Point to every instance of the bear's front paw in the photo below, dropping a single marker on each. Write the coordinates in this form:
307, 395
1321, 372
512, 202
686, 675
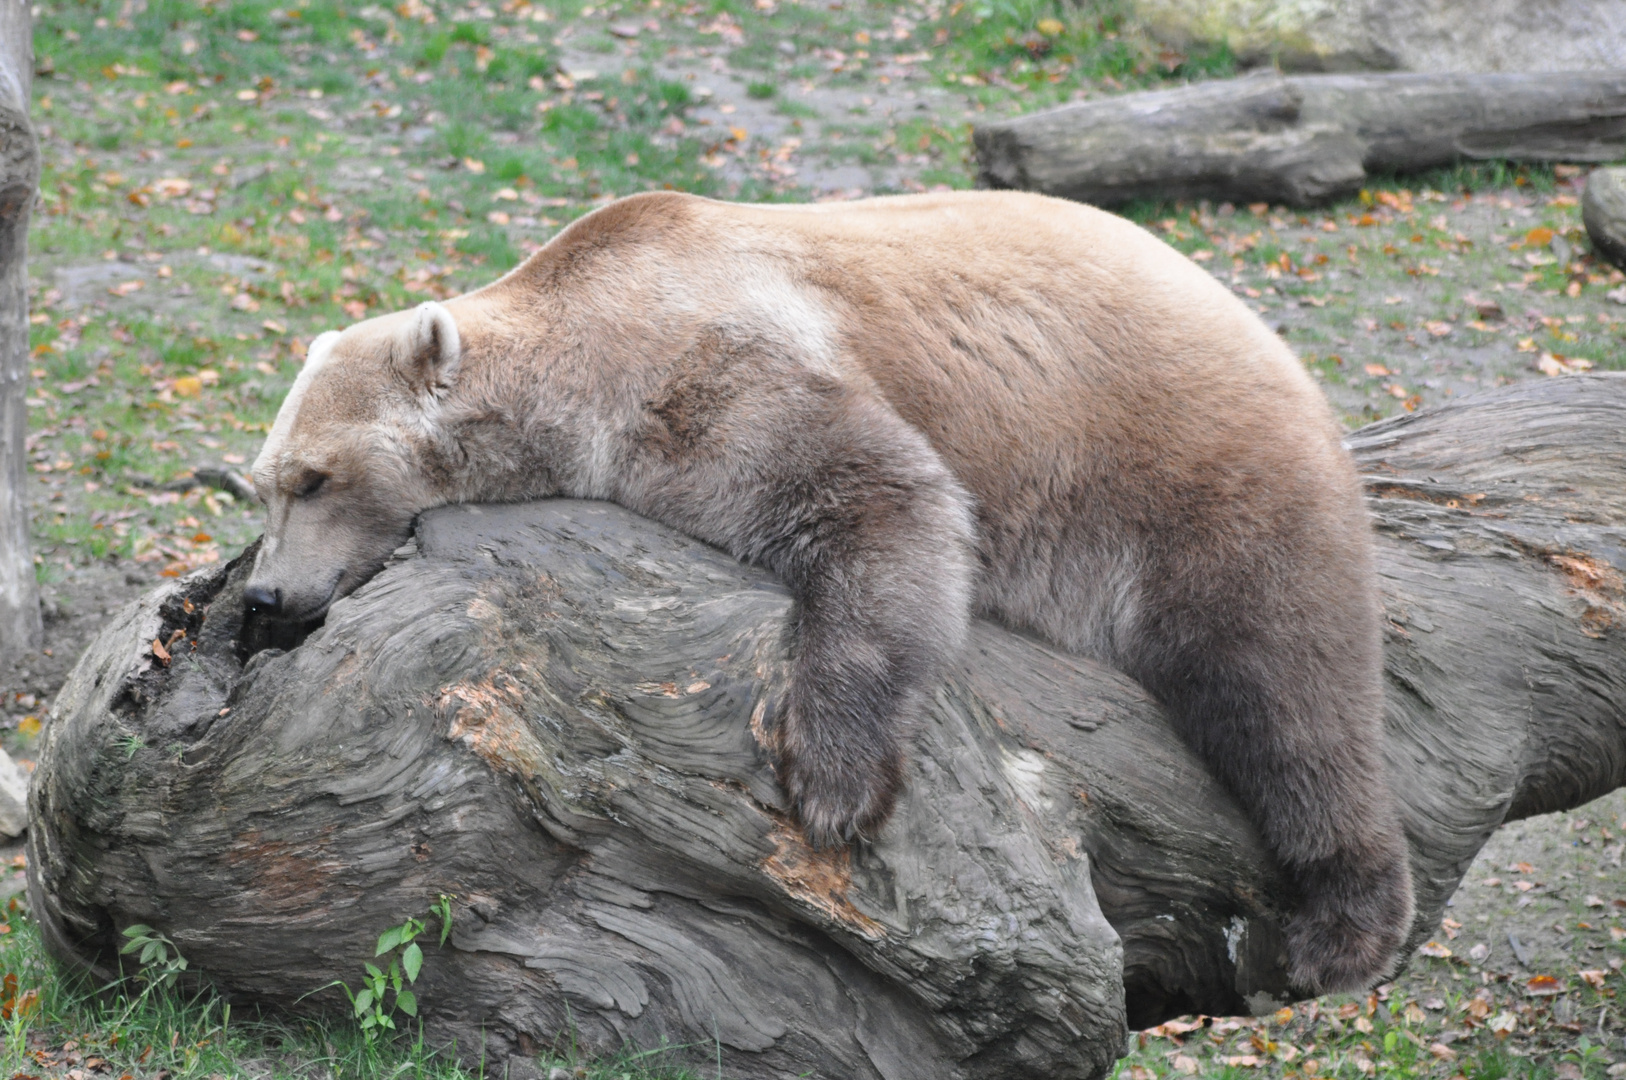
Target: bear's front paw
841, 797
1349, 928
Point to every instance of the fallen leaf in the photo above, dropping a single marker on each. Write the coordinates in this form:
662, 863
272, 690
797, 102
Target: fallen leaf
1559, 364
1478, 953
1241, 1061
1185, 1065
124, 288
1540, 236
1504, 1024
1593, 977
188, 386
1175, 1028
1442, 1051
1438, 329
1436, 950
160, 652
1543, 986
29, 725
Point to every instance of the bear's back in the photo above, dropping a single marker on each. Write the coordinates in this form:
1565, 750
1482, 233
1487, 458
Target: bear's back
1035, 340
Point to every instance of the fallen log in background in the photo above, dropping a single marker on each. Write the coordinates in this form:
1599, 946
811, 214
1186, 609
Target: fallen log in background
553, 711
1299, 140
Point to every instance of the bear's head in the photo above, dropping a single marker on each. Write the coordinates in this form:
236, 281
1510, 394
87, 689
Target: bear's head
343, 471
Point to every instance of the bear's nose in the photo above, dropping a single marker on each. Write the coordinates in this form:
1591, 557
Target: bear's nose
262, 601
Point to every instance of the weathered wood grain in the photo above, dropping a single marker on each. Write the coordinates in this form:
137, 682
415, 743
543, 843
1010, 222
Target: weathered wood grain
558, 713
19, 177
1301, 139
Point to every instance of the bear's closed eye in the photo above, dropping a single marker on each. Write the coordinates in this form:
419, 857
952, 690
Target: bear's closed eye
309, 485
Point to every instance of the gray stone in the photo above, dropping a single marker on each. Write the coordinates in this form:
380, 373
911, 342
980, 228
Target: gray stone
1405, 35
1603, 208
13, 797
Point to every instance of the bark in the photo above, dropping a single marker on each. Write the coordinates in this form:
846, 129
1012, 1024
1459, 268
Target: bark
19, 177
1299, 140
556, 712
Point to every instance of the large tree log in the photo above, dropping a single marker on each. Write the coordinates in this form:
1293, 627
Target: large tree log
1299, 140
557, 713
19, 176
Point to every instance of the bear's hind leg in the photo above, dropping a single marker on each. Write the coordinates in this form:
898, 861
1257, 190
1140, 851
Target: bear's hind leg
1292, 725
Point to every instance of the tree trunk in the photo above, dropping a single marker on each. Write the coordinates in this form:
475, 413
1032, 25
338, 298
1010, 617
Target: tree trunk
19, 176
1299, 140
554, 712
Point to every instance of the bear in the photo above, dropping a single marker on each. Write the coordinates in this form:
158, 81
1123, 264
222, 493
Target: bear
915, 410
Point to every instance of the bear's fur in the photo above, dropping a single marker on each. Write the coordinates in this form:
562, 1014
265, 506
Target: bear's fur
914, 410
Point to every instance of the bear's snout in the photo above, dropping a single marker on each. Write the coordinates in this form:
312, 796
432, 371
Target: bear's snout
262, 601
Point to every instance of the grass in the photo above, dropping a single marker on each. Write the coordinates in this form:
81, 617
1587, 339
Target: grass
223, 181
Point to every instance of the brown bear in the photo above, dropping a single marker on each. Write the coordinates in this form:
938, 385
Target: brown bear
914, 410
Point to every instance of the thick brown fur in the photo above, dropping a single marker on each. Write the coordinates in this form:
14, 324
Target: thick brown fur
913, 410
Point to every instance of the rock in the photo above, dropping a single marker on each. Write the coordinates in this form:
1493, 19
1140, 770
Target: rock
13, 797
1406, 35
1603, 208
519, 1068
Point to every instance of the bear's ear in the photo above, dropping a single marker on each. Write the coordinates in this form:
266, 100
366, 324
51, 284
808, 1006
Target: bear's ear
430, 350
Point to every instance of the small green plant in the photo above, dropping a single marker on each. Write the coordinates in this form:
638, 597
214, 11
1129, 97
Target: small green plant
384, 990
443, 907
161, 962
762, 90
